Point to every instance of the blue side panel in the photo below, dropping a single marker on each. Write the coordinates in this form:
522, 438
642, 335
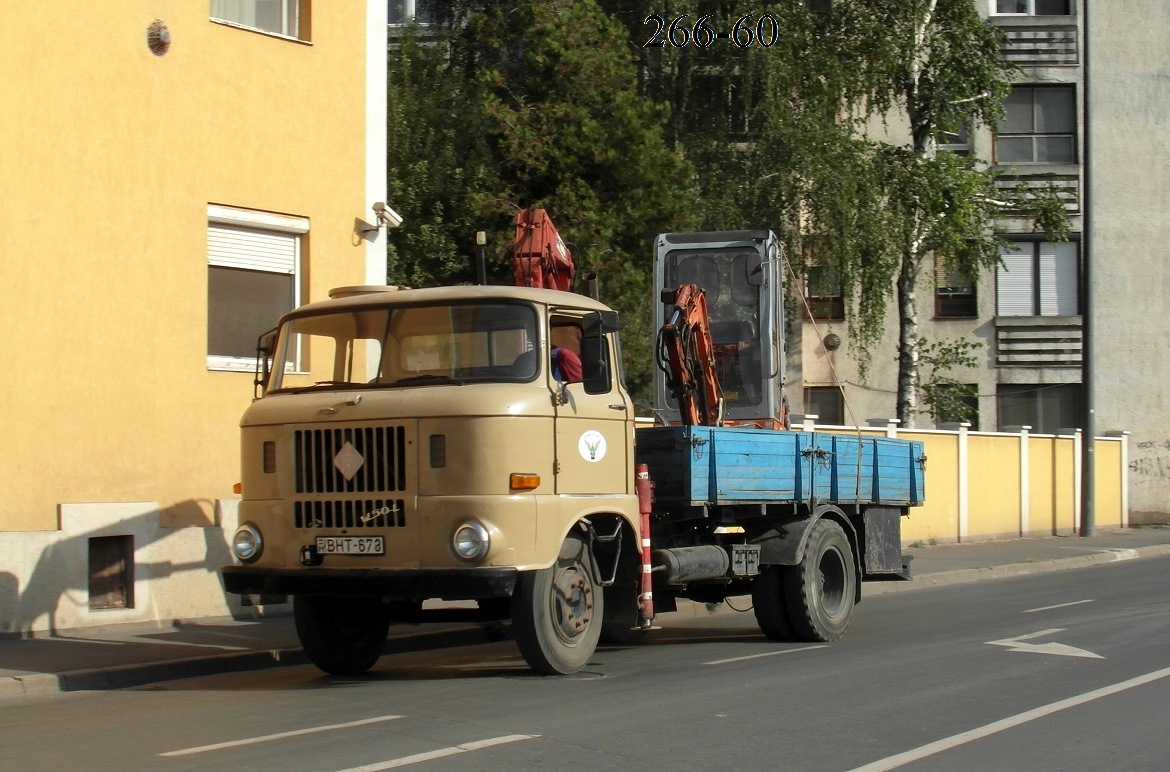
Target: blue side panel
701, 465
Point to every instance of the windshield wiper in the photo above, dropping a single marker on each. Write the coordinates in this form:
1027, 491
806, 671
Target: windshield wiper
423, 380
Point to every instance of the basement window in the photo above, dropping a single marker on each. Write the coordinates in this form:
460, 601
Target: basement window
111, 572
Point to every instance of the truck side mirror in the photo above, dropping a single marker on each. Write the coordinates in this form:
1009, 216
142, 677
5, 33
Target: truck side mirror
265, 349
601, 322
595, 365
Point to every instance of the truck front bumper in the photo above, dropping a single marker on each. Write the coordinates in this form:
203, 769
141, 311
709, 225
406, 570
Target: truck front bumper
395, 584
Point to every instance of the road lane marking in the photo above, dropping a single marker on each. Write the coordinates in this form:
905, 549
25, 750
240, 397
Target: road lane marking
1059, 605
765, 654
954, 741
1059, 649
278, 736
441, 753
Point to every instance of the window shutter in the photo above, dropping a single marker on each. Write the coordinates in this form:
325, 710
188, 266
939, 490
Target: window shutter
1014, 282
231, 246
950, 280
1058, 279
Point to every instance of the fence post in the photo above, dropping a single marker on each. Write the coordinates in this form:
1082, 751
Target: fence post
1077, 481
806, 422
889, 424
1124, 437
1025, 475
963, 487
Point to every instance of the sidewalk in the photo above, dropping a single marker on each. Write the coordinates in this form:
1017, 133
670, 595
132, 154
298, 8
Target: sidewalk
130, 655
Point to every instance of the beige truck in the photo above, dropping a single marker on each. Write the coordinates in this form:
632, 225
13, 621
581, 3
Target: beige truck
453, 453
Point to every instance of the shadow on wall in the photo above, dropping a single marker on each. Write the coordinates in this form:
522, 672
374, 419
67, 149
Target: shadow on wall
134, 567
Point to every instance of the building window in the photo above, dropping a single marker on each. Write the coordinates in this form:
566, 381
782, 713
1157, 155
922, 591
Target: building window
1031, 7
957, 141
823, 292
1047, 409
407, 11
1039, 126
253, 278
1038, 278
278, 17
827, 403
954, 292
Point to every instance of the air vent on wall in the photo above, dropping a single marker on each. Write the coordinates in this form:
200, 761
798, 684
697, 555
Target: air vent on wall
158, 37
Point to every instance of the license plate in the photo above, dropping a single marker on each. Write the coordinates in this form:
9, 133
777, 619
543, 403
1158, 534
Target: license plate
351, 545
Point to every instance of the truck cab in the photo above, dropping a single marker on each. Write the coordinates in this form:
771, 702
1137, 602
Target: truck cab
412, 445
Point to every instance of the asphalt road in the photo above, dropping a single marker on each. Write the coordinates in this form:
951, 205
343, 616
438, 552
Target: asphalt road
1066, 670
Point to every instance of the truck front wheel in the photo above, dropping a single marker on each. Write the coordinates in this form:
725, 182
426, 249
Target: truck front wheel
820, 591
343, 636
557, 612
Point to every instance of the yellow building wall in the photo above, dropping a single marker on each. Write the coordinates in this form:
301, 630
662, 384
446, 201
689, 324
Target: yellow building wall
111, 156
994, 484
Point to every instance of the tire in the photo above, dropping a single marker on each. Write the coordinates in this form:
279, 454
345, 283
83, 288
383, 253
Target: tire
770, 605
557, 612
821, 590
342, 636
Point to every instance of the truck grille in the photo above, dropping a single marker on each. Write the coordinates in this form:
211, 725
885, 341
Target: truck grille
373, 513
362, 459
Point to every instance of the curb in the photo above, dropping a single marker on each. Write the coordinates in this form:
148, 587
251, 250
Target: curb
141, 673
968, 575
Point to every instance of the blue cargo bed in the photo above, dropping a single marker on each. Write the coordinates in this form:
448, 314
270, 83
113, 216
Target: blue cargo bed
704, 465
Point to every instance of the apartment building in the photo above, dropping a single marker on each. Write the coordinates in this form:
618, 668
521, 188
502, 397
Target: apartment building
176, 175
1082, 120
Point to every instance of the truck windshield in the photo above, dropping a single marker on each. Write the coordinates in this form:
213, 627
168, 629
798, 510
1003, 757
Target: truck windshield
403, 346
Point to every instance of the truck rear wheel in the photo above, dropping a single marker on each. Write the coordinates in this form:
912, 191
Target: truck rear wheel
557, 612
343, 636
821, 590
770, 605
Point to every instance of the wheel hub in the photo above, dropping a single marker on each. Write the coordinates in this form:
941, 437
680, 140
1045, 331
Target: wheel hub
572, 603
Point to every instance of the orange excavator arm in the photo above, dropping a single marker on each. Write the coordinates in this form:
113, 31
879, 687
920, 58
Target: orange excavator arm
686, 354
539, 256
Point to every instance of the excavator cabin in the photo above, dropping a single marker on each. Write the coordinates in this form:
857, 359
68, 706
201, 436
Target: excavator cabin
739, 275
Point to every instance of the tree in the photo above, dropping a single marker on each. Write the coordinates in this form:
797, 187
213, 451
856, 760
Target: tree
790, 143
545, 96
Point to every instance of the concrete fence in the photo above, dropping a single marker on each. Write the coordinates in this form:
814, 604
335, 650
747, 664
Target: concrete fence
996, 485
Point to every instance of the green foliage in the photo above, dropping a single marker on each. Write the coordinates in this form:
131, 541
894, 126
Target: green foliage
559, 104
534, 104
945, 396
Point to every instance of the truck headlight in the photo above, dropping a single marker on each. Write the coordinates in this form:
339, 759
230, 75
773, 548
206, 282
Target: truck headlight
471, 541
247, 544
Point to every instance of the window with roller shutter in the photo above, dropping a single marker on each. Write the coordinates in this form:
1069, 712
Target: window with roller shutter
253, 278
1038, 278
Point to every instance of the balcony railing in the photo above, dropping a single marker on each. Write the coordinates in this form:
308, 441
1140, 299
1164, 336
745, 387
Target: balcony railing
1051, 45
1038, 341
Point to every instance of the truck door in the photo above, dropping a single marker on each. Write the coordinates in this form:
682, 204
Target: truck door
593, 432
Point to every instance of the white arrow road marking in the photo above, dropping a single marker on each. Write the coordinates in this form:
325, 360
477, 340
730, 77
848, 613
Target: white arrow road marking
1059, 649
